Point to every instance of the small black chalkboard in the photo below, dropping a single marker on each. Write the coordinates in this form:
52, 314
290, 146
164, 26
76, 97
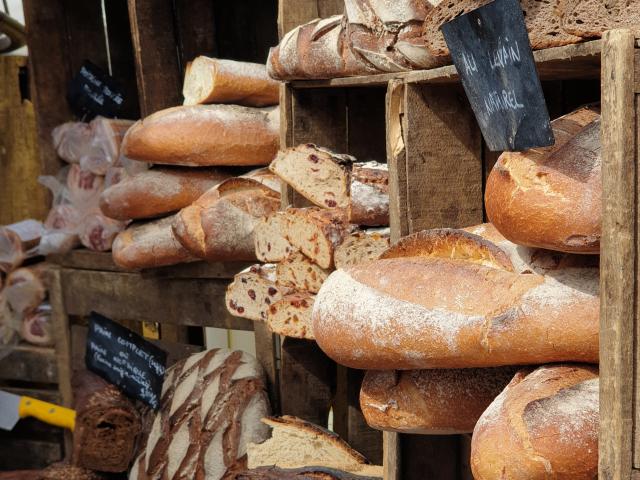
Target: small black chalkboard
491, 51
125, 359
94, 92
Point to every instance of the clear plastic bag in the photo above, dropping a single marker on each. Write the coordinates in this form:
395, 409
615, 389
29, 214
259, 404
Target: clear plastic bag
36, 327
17, 243
98, 232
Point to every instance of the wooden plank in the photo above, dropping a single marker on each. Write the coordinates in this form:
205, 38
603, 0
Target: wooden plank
292, 13
618, 255
320, 117
51, 396
84, 259
157, 61
435, 457
196, 30
123, 296
397, 160
28, 363
266, 353
220, 270
27, 454
392, 456
21, 196
465, 457
62, 336
366, 138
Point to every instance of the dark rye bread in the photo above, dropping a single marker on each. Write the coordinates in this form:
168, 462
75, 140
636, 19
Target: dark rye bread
542, 19
591, 18
211, 407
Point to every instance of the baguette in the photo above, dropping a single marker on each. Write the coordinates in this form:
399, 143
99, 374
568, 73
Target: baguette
411, 313
544, 425
430, 402
559, 188
297, 272
205, 135
291, 315
252, 292
361, 247
270, 242
157, 192
213, 80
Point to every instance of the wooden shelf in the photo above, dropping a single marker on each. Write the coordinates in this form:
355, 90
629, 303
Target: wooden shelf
28, 363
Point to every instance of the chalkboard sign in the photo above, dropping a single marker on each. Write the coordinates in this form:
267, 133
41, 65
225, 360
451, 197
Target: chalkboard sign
491, 51
94, 92
125, 359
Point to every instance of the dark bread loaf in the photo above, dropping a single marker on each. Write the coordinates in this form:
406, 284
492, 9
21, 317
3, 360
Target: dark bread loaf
591, 18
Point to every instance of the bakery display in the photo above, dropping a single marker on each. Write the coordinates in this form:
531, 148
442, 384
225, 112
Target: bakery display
270, 242
291, 315
304, 473
298, 272
361, 246
253, 291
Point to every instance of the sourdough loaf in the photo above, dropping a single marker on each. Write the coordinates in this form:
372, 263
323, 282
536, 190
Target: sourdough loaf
183, 136
408, 312
591, 18
252, 292
149, 245
295, 443
220, 224
298, 272
369, 194
362, 246
211, 407
57, 471
270, 242
304, 473
551, 197
431, 402
213, 80
157, 192
544, 425
291, 315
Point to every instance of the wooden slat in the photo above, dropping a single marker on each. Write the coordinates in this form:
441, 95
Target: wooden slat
51, 396
397, 160
266, 353
618, 256
435, 457
392, 461
292, 13
366, 139
28, 363
196, 31
27, 454
62, 336
128, 295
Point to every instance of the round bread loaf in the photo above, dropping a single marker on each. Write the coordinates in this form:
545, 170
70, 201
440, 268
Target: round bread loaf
543, 426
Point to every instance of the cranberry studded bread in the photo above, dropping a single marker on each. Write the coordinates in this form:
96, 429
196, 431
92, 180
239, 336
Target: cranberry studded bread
252, 292
298, 272
213, 80
544, 425
156, 192
361, 247
291, 315
149, 245
551, 197
591, 18
295, 443
409, 311
269, 238
430, 402
304, 473
220, 224
205, 135
369, 194
211, 407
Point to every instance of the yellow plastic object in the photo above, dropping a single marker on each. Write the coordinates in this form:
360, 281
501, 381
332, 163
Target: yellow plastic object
47, 412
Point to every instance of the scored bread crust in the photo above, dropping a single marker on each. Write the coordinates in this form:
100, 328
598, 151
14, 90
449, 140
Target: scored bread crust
183, 136
431, 402
543, 425
551, 197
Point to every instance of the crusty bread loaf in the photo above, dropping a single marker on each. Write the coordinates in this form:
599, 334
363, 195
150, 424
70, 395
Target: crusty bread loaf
291, 315
551, 197
304, 473
369, 194
213, 80
297, 272
157, 192
591, 18
220, 224
149, 245
252, 292
295, 443
205, 135
362, 246
211, 407
269, 238
544, 425
452, 309
433, 402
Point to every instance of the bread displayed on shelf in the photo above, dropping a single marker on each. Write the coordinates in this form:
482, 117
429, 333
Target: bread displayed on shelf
410, 312
211, 406
205, 135
591, 18
291, 315
361, 247
214, 80
295, 443
369, 194
270, 242
298, 272
543, 425
304, 473
253, 291
157, 192
551, 197
430, 402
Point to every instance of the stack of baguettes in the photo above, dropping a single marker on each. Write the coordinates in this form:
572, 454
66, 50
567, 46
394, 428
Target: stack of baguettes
200, 199
491, 329
300, 247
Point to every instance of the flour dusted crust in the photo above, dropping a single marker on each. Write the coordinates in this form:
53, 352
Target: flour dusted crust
362, 246
432, 402
543, 425
183, 136
369, 194
298, 272
291, 315
253, 291
551, 197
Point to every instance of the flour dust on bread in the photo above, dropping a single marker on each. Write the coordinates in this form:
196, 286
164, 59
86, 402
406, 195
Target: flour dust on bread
211, 407
253, 291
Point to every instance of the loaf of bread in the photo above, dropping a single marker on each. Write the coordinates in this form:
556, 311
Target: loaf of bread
362, 246
305, 473
57, 471
369, 194
453, 307
551, 197
593, 18
149, 245
205, 135
297, 272
220, 224
270, 242
291, 315
157, 192
295, 443
431, 402
211, 407
253, 291
544, 425
213, 80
